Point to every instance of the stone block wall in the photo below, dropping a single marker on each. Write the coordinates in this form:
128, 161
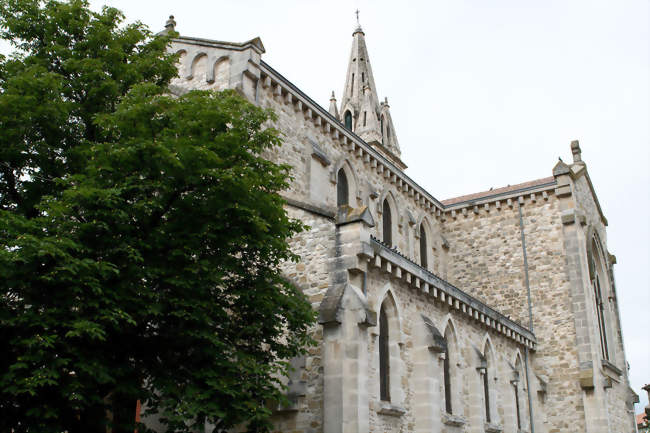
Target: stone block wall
486, 259
478, 248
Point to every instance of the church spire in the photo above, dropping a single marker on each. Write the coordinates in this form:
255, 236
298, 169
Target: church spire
333, 110
360, 110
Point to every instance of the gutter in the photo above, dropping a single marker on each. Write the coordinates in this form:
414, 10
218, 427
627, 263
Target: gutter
530, 319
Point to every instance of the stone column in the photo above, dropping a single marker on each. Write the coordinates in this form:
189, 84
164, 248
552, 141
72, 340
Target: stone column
345, 317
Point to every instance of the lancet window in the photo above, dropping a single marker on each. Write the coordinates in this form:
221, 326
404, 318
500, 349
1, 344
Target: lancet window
342, 188
423, 246
384, 356
347, 119
387, 223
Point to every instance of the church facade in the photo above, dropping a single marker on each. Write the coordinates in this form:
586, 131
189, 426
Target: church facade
492, 312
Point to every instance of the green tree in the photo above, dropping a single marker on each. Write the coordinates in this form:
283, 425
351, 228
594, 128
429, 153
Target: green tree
141, 236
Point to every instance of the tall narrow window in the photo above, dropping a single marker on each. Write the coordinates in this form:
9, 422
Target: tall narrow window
341, 188
597, 280
381, 124
600, 310
515, 383
387, 223
352, 84
384, 364
348, 120
447, 379
363, 77
364, 118
486, 391
423, 246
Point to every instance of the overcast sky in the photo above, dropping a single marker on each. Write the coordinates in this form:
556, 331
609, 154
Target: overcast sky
483, 94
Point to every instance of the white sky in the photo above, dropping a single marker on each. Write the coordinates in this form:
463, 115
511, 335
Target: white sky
482, 94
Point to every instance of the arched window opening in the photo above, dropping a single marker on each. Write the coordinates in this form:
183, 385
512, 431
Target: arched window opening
423, 246
515, 384
342, 190
485, 372
447, 378
601, 318
486, 391
348, 120
387, 224
598, 295
384, 355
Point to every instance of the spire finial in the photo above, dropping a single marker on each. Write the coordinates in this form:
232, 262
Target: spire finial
357, 13
575, 150
170, 24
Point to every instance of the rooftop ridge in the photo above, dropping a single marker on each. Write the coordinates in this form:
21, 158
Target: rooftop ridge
545, 181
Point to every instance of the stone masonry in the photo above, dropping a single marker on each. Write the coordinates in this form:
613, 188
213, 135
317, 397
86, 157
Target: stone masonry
434, 316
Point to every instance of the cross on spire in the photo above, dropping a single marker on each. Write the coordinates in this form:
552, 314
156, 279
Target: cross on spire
357, 13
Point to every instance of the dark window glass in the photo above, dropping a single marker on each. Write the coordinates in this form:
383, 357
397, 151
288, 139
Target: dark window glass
600, 310
447, 379
486, 390
352, 84
387, 224
381, 121
342, 188
384, 365
423, 246
364, 118
348, 120
517, 406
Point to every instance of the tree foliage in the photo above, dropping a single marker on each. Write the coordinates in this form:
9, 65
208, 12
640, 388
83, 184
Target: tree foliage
141, 235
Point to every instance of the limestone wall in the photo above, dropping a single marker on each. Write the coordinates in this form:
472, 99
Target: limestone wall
420, 377
476, 248
611, 386
486, 259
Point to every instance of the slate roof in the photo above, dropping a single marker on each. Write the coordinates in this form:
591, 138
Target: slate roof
498, 191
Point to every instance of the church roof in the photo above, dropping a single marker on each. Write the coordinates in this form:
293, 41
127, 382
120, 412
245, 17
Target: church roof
499, 191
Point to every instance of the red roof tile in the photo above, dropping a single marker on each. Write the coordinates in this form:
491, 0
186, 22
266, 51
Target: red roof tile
509, 188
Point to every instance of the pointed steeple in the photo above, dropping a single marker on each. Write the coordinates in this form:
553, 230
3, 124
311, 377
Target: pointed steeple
358, 78
388, 130
333, 110
360, 108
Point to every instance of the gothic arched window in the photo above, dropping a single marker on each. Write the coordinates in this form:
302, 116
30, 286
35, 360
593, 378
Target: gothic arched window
486, 374
384, 356
447, 378
597, 282
342, 190
387, 224
515, 384
423, 246
348, 120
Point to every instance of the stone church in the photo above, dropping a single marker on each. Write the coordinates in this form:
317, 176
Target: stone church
491, 312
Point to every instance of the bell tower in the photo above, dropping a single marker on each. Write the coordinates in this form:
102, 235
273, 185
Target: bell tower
360, 109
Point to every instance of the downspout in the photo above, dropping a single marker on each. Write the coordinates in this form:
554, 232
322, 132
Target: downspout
530, 317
